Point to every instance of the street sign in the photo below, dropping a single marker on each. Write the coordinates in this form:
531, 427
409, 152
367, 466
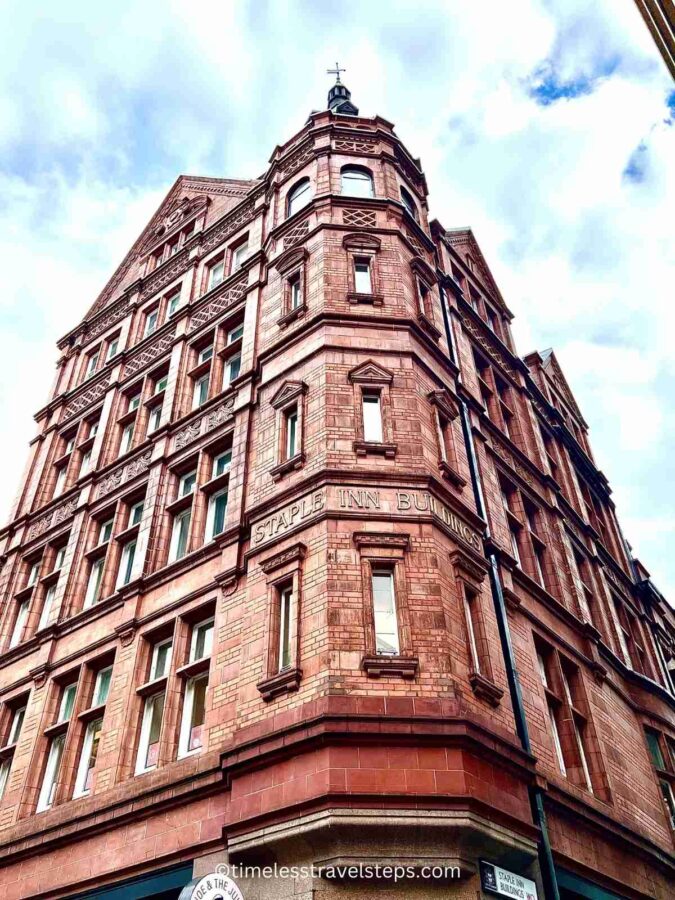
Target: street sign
506, 884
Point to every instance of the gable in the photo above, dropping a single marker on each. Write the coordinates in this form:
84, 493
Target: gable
464, 243
370, 372
187, 196
552, 368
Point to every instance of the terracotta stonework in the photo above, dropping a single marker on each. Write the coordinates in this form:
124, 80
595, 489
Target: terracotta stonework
224, 464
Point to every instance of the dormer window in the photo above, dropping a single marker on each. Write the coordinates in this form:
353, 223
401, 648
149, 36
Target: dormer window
298, 196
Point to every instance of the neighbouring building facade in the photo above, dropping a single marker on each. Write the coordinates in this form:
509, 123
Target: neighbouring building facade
308, 566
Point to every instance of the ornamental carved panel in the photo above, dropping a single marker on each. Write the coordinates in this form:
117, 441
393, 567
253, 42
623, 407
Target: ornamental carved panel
227, 227
296, 234
296, 160
148, 354
87, 397
356, 145
53, 517
166, 273
489, 346
206, 423
219, 304
124, 473
359, 218
112, 315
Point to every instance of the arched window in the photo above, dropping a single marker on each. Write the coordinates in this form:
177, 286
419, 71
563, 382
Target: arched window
409, 203
298, 196
356, 182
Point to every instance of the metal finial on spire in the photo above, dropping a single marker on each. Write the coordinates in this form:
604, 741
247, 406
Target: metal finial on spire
336, 71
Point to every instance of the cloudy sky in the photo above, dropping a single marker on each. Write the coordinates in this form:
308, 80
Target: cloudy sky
546, 125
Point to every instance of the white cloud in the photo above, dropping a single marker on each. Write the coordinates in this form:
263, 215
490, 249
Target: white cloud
103, 106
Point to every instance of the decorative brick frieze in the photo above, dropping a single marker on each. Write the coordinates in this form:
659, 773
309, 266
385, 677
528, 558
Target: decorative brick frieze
210, 420
152, 351
221, 301
124, 473
87, 397
52, 518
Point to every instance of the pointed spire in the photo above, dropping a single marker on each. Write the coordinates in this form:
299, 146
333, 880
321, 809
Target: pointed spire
339, 96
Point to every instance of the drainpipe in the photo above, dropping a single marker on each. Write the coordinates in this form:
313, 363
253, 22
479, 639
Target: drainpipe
546, 864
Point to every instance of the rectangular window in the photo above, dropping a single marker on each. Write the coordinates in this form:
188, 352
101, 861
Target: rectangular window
102, 686
151, 322
33, 574
222, 463
423, 296
59, 558
201, 642
154, 418
552, 712
174, 303
232, 369
19, 624
136, 513
151, 726
127, 437
285, 618
295, 292
161, 659
384, 610
93, 592
113, 347
47, 607
372, 417
180, 534
362, 279
105, 531
215, 517
93, 429
50, 779
291, 418
60, 480
205, 355
200, 393
126, 563
15, 728
5, 766
470, 604
85, 769
160, 384
85, 463
194, 715
216, 274
186, 484
238, 256
67, 702
92, 363
235, 334
134, 402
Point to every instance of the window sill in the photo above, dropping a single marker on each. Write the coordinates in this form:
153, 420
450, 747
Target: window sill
7, 751
451, 475
285, 682
128, 533
375, 448
196, 667
215, 484
292, 315
485, 689
56, 729
180, 503
94, 712
288, 465
401, 666
152, 687
366, 299
428, 326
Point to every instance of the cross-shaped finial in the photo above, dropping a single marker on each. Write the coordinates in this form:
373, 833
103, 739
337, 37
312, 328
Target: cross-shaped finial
336, 71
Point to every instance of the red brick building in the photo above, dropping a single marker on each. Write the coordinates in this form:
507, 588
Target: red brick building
309, 566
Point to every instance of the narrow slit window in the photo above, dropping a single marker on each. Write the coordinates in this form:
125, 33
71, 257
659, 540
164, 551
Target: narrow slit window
362, 276
372, 416
384, 610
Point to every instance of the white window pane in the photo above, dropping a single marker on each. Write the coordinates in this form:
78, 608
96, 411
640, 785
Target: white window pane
19, 624
291, 434
148, 745
215, 517
94, 583
201, 643
17, 722
67, 702
49, 782
362, 281
5, 766
372, 418
179, 536
47, 607
384, 606
88, 756
285, 618
102, 686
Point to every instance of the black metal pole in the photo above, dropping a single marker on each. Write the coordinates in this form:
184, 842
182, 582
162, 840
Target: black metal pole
545, 854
